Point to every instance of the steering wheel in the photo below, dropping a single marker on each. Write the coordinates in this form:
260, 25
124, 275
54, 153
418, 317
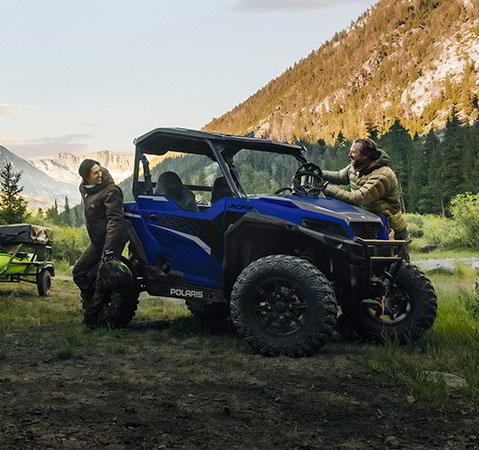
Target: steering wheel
283, 189
308, 180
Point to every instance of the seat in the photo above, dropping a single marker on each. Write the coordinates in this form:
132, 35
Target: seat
220, 190
170, 184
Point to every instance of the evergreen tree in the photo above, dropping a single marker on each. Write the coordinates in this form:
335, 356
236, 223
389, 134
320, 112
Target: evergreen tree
453, 147
52, 213
79, 219
398, 143
430, 193
13, 207
67, 219
471, 159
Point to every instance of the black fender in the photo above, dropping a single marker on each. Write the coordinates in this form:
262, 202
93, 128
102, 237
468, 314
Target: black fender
255, 236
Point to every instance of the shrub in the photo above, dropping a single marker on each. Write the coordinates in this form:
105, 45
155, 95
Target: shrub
69, 242
415, 219
441, 231
465, 211
415, 231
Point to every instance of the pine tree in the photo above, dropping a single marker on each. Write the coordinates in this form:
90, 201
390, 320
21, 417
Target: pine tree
52, 213
13, 207
398, 143
67, 218
430, 193
453, 180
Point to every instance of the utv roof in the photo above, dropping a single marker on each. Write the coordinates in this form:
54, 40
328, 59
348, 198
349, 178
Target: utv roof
163, 140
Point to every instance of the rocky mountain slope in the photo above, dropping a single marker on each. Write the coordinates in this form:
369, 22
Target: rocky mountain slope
406, 60
64, 166
39, 189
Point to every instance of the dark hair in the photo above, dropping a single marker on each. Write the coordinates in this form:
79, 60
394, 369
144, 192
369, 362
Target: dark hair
368, 148
85, 167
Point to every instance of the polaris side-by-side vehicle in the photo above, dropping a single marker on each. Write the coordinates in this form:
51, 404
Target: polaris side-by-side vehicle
282, 265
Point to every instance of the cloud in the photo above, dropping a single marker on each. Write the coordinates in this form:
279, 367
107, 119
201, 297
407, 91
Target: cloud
288, 5
47, 146
8, 110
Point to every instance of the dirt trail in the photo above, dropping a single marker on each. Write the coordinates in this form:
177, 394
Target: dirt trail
159, 385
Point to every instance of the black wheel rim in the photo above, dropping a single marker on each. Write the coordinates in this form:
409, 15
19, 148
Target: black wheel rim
279, 307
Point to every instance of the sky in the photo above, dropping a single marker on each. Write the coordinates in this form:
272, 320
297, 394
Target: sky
91, 75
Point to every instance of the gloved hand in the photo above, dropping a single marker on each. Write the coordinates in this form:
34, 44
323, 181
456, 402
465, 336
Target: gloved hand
108, 255
324, 187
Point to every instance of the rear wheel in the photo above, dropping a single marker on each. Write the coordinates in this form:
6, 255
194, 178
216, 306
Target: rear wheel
283, 305
44, 283
409, 309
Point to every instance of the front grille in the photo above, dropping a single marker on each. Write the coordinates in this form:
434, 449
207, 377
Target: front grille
323, 226
366, 230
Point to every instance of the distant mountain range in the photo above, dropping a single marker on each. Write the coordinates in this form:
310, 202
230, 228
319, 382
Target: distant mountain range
39, 189
45, 180
64, 166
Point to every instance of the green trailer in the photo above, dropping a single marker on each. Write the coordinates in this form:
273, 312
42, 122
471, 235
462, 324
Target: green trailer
26, 255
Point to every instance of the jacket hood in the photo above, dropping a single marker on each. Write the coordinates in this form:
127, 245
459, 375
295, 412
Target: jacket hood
383, 160
107, 179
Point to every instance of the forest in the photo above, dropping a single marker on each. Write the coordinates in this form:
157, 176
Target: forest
432, 169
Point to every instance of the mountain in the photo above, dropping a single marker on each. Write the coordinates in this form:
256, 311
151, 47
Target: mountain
64, 166
402, 60
405, 73
39, 189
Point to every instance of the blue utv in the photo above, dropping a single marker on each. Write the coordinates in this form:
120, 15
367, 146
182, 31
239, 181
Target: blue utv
284, 266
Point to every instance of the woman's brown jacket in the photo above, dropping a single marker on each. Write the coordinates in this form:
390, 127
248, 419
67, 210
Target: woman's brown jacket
373, 187
104, 216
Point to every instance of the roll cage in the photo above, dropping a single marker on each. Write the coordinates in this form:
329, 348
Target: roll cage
220, 148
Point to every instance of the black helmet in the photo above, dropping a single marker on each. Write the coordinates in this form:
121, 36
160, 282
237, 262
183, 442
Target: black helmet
115, 275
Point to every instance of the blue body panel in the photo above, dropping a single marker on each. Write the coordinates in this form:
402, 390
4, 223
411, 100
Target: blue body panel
192, 242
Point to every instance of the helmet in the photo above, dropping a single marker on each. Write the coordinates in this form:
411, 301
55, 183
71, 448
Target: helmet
115, 275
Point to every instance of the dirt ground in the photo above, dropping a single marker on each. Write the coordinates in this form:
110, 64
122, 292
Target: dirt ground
158, 387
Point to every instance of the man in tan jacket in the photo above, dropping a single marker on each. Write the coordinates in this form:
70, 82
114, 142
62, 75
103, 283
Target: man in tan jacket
374, 185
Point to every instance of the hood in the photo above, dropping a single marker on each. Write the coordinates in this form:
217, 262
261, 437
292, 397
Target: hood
106, 181
383, 160
327, 207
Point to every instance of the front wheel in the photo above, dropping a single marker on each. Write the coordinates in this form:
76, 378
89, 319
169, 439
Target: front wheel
409, 309
283, 305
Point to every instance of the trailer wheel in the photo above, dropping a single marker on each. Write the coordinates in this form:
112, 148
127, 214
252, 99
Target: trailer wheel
44, 283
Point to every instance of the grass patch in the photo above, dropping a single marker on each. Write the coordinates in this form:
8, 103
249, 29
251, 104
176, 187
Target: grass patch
157, 308
63, 267
3, 345
64, 353
451, 346
440, 252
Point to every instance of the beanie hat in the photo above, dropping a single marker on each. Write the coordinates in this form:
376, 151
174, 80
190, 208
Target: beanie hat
85, 167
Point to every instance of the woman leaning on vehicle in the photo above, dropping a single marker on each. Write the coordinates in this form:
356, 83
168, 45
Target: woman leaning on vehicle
105, 223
